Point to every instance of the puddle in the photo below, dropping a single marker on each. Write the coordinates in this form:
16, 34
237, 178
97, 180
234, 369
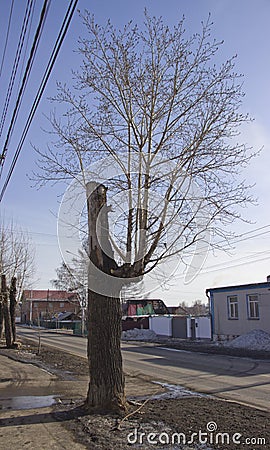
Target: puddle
27, 402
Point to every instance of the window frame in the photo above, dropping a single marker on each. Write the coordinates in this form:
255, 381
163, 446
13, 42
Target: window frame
233, 307
254, 312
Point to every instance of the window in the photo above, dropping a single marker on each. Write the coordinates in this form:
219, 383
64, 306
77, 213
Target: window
232, 307
62, 304
253, 306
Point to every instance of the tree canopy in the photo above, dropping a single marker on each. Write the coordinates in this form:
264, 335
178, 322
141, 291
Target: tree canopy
17, 258
157, 104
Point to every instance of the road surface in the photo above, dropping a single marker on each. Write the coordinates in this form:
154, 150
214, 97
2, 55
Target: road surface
243, 380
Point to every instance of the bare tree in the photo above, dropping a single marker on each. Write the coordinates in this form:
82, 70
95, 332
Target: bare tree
73, 277
197, 308
16, 255
6, 314
17, 267
12, 308
155, 116
1, 317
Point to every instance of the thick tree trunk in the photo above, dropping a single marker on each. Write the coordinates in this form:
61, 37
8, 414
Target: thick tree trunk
106, 386
12, 308
4, 292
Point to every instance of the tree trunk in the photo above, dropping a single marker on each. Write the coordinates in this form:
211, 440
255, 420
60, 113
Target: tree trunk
106, 386
1, 318
4, 292
12, 308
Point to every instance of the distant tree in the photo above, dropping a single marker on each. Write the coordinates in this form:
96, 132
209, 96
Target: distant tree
73, 278
196, 308
17, 269
199, 308
12, 307
17, 256
156, 104
1, 316
6, 312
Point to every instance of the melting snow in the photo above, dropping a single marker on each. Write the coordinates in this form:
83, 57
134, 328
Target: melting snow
254, 340
171, 391
176, 391
139, 335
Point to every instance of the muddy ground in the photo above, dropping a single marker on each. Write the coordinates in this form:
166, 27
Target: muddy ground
151, 425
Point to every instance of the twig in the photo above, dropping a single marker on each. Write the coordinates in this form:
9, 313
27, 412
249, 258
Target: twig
117, 427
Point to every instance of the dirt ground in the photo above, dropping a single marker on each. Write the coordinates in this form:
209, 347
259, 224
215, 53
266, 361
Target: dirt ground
195, 422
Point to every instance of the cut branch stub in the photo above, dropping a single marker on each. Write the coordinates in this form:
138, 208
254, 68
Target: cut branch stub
101, 252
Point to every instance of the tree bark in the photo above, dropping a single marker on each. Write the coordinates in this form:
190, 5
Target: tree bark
106, 385
1, 318
4, 292
12, 308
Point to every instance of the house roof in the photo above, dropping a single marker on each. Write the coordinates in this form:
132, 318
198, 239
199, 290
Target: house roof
47, 294
178, 309
66, 316
239, 287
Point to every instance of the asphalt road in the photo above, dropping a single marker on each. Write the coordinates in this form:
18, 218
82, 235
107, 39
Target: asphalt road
243, 380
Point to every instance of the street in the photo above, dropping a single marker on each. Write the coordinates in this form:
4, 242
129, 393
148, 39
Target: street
243, 380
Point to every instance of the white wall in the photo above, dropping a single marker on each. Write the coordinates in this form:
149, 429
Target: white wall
225, 327
161, 325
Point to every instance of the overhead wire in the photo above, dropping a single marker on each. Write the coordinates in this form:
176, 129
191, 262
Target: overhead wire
229, 265
235, 240
7, 36
25, 79
26, 44
54, 54
15, 66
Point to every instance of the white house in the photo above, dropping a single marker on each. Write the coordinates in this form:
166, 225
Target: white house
236, 310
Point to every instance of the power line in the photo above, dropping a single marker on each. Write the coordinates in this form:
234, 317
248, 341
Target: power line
54, 54
7, 36
26, 45
15, 66
233, 241
27, 72
225, 266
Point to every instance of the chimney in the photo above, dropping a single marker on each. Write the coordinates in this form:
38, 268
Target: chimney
268, 279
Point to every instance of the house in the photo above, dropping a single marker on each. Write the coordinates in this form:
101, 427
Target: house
68, 321
37, 305
236, 310
136, 312
144, 307
178, 310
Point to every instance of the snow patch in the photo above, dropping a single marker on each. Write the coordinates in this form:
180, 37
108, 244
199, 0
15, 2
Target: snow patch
254, 340
172, 391
139, 335
175, 391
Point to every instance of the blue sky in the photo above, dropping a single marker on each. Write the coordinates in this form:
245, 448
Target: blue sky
244, 27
